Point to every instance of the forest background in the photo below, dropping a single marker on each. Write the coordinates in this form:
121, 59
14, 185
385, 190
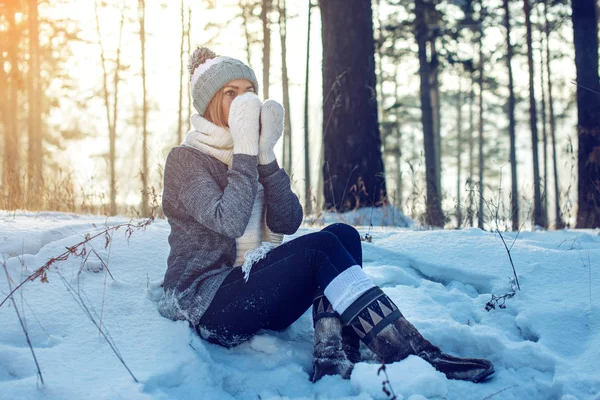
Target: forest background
456, 112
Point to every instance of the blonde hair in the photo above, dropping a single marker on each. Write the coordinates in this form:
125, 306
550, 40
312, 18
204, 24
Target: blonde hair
214, 112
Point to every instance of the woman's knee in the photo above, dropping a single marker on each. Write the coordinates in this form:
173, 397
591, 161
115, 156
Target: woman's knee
343, 231
323, 240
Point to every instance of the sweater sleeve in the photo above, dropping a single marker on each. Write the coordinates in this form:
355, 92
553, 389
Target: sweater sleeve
225, 211
283, 209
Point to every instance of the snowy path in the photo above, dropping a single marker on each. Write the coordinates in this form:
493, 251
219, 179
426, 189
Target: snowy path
545, 344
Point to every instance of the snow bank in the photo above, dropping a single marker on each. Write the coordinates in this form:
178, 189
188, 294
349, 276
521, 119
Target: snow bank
544, 344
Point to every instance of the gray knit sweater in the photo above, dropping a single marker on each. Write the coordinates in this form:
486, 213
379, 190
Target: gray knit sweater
208, 206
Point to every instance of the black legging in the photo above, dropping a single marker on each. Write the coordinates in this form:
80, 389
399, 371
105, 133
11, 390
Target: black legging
281, 286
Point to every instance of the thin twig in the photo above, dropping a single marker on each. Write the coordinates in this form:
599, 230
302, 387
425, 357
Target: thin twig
500, 391
583, 87
37, 365
347, 183
510, 258
83, 306
386, 384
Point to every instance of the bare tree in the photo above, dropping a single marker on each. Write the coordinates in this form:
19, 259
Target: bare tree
264, 16
481, 212
145, 171
307, 188
111, 119
287, 136
459, 149
435, 216
246, 16
559, 223
471, 141
35, 155
514, 196
181, 77
11, 177
538, 214
188, 55
544, 129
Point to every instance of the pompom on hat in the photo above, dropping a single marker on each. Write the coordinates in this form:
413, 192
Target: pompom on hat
209, 73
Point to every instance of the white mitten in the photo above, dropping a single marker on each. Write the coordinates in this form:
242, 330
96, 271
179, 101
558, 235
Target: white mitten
244, 115
271, 119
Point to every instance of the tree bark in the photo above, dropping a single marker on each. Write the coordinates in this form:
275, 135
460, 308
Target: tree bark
538, 214
585, 38
435, 216
35, 155
559, 224
351, 137
514, 196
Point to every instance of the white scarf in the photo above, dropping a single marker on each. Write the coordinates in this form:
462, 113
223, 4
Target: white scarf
210, 139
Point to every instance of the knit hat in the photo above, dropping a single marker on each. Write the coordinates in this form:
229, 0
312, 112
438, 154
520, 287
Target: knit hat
209, 73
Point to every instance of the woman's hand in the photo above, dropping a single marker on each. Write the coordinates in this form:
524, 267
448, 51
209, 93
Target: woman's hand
271, 119
244, 117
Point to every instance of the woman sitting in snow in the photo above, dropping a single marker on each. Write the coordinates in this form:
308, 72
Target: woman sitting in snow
229, 203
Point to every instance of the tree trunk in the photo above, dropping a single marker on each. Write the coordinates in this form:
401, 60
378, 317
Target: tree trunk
145, 172
436, 107
111, 119
264, 16
352, 144
379, 60
481, 213
435, 216
189, 54
400, 184
544, 133
514, 196
246, 12
287, 137
471, 179
459, 104
585, 38
538, 214
181, 78
559, 224
35, 155
307, 189
12, 169
3, 113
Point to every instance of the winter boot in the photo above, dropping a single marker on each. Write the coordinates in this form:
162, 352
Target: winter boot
382, 327
351, 344
329, 356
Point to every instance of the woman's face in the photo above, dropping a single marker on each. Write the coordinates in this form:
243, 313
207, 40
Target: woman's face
232, 90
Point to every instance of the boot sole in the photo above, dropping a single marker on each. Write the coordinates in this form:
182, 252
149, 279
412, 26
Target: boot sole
483, 376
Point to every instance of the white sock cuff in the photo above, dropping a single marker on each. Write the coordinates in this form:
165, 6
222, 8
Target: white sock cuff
347, 287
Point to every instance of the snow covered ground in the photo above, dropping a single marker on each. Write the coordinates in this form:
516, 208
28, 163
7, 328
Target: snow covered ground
545, 344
